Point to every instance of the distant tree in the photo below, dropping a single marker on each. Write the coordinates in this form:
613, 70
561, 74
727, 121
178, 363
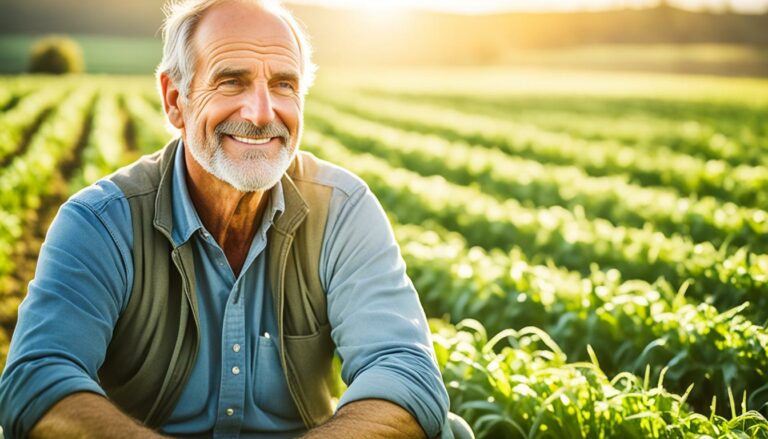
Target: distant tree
56, 54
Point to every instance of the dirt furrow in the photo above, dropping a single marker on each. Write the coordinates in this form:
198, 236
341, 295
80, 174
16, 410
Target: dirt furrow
36, 224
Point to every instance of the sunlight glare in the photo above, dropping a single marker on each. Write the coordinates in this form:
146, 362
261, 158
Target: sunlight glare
492, 6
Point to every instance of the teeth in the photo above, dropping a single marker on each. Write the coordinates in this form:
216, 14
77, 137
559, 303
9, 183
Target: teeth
251, 141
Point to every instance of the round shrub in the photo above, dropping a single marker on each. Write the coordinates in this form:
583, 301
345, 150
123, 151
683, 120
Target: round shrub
57, 55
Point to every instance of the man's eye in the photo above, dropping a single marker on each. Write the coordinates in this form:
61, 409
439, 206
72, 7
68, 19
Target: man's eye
286, 85
230, 83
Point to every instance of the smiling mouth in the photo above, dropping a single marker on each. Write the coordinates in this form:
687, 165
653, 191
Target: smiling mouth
251, 140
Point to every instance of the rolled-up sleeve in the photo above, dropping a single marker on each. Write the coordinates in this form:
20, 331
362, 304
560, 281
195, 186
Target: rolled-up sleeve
379, 326
66, 320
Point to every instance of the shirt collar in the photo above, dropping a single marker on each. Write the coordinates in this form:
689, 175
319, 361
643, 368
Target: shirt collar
186, 221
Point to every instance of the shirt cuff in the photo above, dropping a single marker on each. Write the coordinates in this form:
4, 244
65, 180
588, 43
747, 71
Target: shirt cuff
426, 401
22, 417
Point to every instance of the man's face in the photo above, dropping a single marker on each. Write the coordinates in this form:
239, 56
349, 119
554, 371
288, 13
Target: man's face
242, 117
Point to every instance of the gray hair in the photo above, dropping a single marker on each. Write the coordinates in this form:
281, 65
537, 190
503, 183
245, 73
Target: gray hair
181, 19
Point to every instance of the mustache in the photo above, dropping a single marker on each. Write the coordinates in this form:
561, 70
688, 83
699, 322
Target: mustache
243, 128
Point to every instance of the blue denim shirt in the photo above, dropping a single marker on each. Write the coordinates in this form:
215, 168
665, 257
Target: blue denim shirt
237, 389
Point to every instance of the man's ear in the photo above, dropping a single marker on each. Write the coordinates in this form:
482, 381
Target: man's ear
171, 100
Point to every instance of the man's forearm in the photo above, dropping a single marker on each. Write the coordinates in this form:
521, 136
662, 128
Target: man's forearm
88, 415
369, 418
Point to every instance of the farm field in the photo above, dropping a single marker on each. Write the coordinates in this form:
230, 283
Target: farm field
592, 248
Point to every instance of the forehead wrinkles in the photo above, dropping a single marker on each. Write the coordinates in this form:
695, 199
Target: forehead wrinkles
248, 48
218, 51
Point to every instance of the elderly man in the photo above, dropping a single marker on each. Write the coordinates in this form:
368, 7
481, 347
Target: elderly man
203, 290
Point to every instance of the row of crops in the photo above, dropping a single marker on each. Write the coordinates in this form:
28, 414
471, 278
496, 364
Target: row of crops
595, 267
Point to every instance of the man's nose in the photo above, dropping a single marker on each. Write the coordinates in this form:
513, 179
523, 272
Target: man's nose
257, 106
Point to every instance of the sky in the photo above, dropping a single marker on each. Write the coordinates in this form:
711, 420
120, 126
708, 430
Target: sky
487, 6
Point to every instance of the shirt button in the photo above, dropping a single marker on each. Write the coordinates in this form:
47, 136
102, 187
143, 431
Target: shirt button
236, 347
206, 235
230, 412
266, 334
235, 370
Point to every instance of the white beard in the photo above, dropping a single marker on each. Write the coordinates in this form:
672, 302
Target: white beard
252, 171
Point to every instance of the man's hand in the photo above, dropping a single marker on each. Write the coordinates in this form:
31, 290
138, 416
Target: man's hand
369, 418
88, 415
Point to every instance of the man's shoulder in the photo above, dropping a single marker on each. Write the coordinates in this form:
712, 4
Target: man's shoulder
98, 196
128, 181
309, 169
99, 205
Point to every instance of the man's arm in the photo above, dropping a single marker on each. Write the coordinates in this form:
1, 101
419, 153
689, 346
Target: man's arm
66, 320
379, 327
88, 415
369, 418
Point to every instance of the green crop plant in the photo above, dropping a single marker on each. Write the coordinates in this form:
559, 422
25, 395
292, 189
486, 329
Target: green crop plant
519, 384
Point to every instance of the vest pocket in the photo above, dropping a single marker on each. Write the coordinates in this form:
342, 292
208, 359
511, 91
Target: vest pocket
271, 390
310, 359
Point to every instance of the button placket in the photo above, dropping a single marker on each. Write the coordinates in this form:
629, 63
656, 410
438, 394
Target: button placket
232, 385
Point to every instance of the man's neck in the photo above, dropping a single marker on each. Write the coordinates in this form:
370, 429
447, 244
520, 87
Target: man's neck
231, 216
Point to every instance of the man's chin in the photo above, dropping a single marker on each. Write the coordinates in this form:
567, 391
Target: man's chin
245, 180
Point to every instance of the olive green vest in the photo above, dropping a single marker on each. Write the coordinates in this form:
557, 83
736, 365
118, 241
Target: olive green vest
156, 339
